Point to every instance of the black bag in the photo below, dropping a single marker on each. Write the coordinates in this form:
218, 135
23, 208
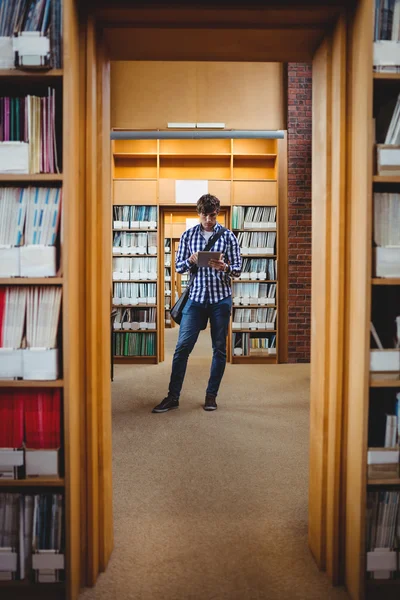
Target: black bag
177, 309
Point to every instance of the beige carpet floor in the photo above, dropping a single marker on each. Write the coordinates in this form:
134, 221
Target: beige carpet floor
211, 506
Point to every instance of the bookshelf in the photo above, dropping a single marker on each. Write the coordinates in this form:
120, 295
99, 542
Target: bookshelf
382, 575
68, 279
246, 176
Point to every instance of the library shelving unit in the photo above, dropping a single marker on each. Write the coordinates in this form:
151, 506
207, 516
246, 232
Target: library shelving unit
383, 579
243, 174
168, 282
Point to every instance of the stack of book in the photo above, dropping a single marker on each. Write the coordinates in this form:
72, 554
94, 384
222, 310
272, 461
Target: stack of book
132, 294
135, 217
134, 243
134, 344
386, 34
29, 222
254, 293
133, 319
27, 134
29, 319
259, 269
254, 217
30, 433
31, 537
260, 242
387, 234
247, 344
254, 318
383, 534
135, 269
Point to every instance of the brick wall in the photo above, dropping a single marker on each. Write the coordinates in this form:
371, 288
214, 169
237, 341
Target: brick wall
299, 205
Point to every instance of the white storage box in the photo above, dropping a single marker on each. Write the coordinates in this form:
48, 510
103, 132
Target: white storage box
387, 262
10, 363
386, 54
40, 363
272, 351
8, 562
381, 559
10, 458
236, 325
384, 360
47, 559
388, 159
38, 261
14, 157
32, 49
151, 300
6, 53
41, 463
9, 261
383, 463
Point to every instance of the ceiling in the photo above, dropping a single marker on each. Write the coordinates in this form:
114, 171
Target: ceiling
262, 31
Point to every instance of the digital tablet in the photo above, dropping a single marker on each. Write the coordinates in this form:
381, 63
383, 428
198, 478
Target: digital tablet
205, 257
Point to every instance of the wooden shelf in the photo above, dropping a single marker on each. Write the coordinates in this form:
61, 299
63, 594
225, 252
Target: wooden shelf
32, 75
190, 156
253, 230
386, 281
34, 177
135, 155
134, 305
139, 230
33, 482
254, 156
259, 255
29, 383
387, 76
384, 383
254, 306
253, 330
256, 360
31, 281
386, 482
255, 281
134, 281
134, 330
254, 179
132, 360
386, 179
24, 590
135, 255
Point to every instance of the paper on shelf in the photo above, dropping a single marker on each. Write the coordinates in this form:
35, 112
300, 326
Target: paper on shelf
188, 191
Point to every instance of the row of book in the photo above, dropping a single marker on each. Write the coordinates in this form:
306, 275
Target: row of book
126, 293
32, 537
387, 219
393, 132
29, 216
254, 318
135, 217
259, 269
253, 217
246, 344
133, 318
134, 243
387, 20
28, 134
134, 344
140, 268
383, 520
260, 242
30, 418
254, 293
30, 314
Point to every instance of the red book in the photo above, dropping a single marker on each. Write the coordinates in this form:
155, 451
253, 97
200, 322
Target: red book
43, 419
3, 292
11, 419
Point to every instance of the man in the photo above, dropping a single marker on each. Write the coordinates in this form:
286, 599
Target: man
210, 297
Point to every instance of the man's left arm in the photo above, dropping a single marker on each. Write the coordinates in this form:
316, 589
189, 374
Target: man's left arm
233, 255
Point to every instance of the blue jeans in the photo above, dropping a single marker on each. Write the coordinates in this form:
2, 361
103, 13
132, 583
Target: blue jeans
194, 319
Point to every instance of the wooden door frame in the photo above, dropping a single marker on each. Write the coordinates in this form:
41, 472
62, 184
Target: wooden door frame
331, 409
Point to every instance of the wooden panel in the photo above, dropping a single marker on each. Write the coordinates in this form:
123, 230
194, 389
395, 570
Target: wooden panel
93, 300
253, 168
104, 232
255, 192
134, 192
255, 146
73, 252
320, 303
357, 288
159, 92
241, 91
195, 147
334, 507
282, 249
198, 168
222, 190
166, 191
145, 168
163, 92
278, 44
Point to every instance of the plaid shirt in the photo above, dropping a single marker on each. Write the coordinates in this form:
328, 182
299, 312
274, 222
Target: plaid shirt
209, 283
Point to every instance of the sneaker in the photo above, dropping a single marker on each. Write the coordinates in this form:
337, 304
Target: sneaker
169, 403
210, 403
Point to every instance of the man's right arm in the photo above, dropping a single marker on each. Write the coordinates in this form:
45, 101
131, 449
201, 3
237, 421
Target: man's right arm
182, 263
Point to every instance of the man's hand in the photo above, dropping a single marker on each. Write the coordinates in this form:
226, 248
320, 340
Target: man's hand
194, 258
219, 265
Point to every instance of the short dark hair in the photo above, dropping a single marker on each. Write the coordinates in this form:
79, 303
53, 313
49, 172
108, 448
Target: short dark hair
208, 204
